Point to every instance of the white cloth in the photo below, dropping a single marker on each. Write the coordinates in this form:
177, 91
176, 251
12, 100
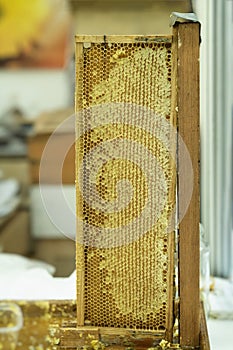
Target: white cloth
26, 279
221, 299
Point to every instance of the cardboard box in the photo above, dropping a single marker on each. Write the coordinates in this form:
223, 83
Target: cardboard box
18, 168
54, 161
57, 252
14, 234
52, 148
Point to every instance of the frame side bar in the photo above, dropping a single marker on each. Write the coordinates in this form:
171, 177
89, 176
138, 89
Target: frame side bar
188, 37
80, 263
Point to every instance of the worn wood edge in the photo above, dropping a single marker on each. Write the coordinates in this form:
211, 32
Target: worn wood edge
204, 337
174, 112
188, 124
171, 286
93, 338
109, 337
122, 38
172, 197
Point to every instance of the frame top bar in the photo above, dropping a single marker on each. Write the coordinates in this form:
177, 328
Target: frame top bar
123, 38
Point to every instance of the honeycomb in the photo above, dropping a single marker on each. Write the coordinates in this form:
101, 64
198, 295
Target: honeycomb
125, 173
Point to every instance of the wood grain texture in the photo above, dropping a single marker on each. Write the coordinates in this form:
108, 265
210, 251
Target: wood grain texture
122, 38
204, 339
188, 126
170, 316
172, 235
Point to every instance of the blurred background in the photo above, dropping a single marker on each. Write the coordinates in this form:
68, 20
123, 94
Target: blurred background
37, 81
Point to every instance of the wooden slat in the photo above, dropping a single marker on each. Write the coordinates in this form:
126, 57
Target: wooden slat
122, 38
116, 338
172, 194
80, 266
188, 126
204, 339
170, 318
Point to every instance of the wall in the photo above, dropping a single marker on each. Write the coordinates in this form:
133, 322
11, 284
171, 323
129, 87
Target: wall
34, 91
126, 17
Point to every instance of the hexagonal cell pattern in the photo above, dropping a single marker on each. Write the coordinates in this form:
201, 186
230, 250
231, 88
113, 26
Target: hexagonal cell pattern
125, 183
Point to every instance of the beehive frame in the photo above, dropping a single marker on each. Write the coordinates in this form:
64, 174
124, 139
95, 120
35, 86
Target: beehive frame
183, 72
111, 83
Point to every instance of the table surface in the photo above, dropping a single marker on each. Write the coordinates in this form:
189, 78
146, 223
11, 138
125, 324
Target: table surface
220, 334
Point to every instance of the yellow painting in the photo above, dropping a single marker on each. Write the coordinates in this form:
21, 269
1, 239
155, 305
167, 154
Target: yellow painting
34, 33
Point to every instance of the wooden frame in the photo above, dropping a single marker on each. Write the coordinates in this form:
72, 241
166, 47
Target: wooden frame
85, 42
185, 106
